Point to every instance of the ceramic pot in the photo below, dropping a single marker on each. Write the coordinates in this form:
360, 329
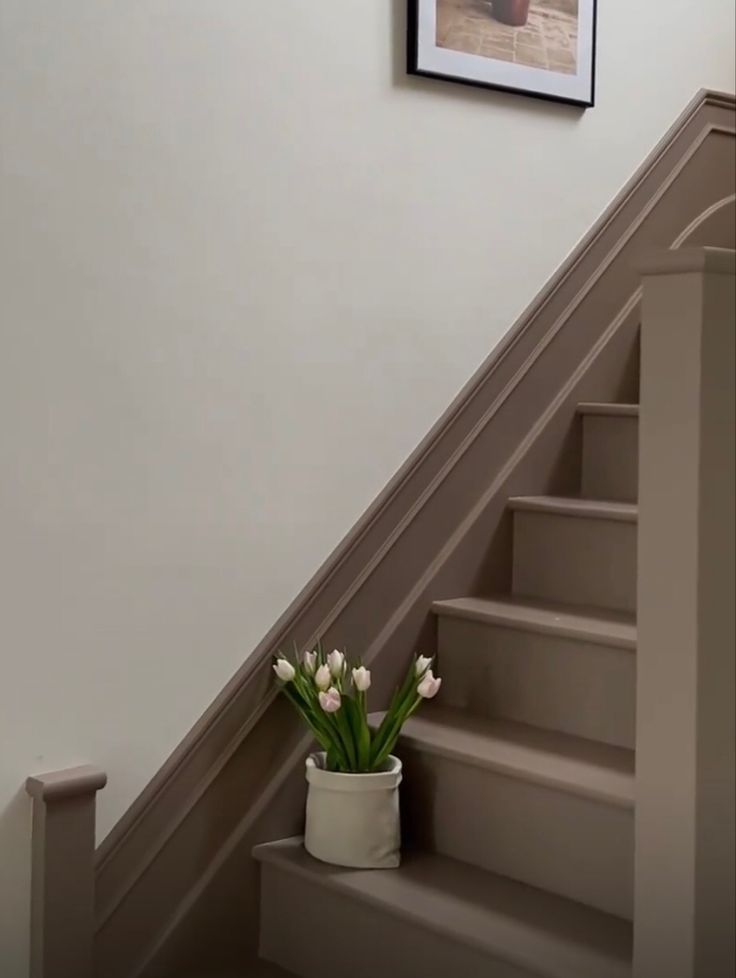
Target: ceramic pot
353, 819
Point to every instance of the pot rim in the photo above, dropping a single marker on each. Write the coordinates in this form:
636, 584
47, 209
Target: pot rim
387, 779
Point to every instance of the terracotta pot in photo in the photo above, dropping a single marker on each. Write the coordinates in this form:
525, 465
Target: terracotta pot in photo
512, 12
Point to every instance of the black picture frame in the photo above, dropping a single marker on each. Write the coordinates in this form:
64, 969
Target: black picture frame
419, 65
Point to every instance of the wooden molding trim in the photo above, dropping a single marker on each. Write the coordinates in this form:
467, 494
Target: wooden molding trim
62, 875
438, 529
712, 261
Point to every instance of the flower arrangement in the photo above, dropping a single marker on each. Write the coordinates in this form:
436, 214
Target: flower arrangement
329, 693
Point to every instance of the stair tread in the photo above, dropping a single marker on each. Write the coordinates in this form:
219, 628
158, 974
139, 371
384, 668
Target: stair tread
562, 761
574, 506
609, 409
258, 969
548, 934
583, 623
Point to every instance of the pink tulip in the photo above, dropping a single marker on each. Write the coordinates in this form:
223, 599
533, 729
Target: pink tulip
336, 662
322, 677
331, 700
284, 670
422, 664
429, 686
361, 679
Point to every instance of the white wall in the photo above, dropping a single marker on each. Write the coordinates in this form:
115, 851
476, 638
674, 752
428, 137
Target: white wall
245, 264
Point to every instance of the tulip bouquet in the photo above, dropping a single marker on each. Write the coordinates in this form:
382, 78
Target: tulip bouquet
330, 696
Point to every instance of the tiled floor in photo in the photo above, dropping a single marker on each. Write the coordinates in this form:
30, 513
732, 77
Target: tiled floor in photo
547, 40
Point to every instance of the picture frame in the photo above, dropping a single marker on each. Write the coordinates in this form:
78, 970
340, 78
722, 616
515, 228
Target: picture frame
541, 48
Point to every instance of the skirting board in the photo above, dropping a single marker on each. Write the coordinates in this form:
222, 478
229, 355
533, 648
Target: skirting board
175, 878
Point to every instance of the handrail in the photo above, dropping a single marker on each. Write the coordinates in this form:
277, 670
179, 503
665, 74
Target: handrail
62, 876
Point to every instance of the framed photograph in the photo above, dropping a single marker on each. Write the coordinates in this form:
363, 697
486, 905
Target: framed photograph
544, 48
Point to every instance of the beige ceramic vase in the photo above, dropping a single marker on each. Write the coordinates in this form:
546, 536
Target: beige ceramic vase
353, 819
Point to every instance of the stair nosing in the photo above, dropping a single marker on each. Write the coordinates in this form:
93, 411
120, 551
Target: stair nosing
609, 410
277, 854
491, 732
507, 613
592, 509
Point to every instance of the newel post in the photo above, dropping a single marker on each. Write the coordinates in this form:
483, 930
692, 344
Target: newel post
62, 876
684, 863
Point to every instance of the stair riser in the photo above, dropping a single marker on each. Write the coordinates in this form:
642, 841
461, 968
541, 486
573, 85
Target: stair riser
546, 680
564, 843
576, 560
610, 458
316, 933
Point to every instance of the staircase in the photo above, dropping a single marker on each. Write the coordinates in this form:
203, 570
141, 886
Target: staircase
518, 798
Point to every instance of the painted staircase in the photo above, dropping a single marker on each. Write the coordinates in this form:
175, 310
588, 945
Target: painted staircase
518, 796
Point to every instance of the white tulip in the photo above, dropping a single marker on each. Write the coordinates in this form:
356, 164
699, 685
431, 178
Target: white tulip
284, 670
322, 677
429, 686
361, 679
330, 701
310, 662
336, 662
422, 664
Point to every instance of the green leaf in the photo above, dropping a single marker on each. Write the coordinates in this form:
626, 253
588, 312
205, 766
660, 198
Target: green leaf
391, 729
309, 720
401, 700
361, 736
364, 743
325, 733
347, 737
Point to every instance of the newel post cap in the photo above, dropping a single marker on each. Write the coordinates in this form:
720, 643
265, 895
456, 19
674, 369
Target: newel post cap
667, 261
68, 783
